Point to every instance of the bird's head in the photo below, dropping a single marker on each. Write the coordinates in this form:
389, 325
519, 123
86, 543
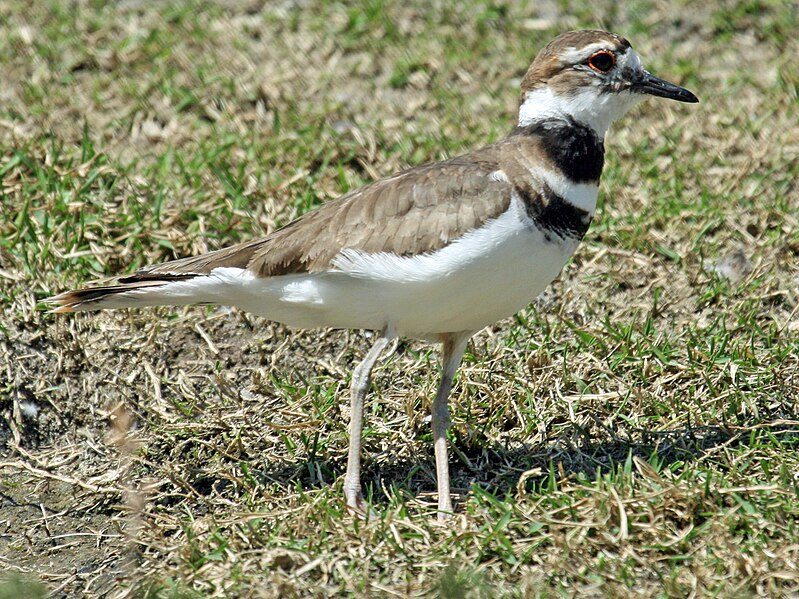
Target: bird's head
591, 76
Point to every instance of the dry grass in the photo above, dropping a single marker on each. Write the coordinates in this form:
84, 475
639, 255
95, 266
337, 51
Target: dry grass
633, 432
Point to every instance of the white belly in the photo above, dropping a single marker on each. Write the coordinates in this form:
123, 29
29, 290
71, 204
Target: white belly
487, 275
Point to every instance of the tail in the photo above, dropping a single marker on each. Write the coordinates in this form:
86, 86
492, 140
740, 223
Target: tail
132, 292
204, 279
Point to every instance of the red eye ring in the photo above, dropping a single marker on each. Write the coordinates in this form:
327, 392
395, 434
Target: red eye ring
602, 61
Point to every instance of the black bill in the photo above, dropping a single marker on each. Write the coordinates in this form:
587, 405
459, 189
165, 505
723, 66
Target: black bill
655, 86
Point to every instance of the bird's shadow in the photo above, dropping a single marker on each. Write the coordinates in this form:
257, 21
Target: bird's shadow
498, 469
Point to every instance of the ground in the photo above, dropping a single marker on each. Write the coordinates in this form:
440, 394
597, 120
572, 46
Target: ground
633, 432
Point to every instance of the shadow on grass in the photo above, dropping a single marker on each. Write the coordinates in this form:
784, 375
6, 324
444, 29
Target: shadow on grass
498, 469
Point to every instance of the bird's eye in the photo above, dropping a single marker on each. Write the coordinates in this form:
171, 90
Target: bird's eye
602, 61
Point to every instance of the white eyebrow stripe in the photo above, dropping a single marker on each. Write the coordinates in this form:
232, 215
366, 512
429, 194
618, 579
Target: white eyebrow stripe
574, 55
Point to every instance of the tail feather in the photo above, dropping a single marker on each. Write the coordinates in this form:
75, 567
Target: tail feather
193, 280
127, 294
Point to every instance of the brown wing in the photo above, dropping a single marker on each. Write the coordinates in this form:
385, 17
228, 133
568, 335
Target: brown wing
419, 210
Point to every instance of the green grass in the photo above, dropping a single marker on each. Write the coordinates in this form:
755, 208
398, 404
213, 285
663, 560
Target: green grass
632, 432
15, 587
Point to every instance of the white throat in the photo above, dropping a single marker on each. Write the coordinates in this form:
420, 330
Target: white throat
585, 106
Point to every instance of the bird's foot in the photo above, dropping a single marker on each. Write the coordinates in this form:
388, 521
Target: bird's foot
357, 505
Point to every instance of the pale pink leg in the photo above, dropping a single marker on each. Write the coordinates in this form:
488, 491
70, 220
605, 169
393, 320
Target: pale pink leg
361, 379
451, 354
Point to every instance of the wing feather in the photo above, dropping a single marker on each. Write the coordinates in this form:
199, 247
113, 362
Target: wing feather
420, 210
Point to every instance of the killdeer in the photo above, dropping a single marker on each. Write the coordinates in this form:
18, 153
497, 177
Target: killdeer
436, 252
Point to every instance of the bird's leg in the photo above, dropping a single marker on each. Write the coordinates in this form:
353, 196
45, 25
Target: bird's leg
451, 354
361, 378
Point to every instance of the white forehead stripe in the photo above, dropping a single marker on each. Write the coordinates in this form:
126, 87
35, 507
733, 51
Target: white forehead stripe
631, 60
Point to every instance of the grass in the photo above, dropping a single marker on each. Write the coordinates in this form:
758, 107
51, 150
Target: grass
632, 432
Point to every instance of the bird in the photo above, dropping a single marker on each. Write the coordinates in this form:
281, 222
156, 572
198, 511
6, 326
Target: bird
436, 252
